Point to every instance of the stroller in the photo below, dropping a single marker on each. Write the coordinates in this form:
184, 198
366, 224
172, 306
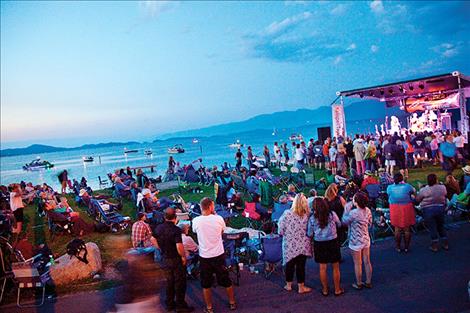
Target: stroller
271, 253
108, 215
236, 250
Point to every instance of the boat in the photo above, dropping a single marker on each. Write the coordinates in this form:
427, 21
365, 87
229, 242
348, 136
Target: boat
176, 149
236, 145
274, 132
195, 140
37, 165
295, 137
148, 152
88, 159
126, 151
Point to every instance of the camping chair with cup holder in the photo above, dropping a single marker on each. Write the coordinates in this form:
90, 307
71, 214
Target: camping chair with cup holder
236, 251
270, 250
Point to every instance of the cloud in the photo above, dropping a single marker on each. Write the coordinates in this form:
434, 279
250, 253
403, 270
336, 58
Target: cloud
339, 10
374, 49
155, 8
277, 27
351, 47
377, 7
447, 50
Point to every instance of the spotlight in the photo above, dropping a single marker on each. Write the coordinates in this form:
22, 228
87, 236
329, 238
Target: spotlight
421, 86
410, 87
382, 92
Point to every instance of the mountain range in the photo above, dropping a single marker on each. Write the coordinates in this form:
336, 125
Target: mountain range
368, 111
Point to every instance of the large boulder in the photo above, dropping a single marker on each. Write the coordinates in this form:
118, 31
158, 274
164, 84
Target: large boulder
68, 269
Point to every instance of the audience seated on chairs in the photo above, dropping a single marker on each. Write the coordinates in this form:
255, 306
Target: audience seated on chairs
141, 233
385, 179
340, 179
233, 196
368, 179
291, 192
121, 189
190, 246
252, 183
149, 201
262, 211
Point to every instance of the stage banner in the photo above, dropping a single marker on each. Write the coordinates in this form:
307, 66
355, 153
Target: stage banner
339, 121
435, 102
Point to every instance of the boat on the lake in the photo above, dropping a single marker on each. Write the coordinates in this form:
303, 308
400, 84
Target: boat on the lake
296, 137
148, 152
195, 140
236, 145
176, 149
37, 165
88, 159
127, 151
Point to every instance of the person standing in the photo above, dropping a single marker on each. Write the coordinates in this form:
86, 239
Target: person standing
174, 262
238, 158
286, 152
209, 228
402, 211
267, 157
459, 142
448, 151
322, 227
249, 157
296, 245
63, 179
390, 152
433, 200
17, 206
359, 153
359, 220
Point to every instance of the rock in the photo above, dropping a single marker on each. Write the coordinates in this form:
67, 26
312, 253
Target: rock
68, 269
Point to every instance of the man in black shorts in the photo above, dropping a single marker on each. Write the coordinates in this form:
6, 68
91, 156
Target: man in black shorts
174, 262
209, 228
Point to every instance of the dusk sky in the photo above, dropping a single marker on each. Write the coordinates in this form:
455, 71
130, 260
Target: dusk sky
78, 72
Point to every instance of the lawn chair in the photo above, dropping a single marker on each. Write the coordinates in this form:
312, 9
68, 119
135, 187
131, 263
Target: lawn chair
252, 217
266, 193
381, 220
373, 191
239, 184
103, 182
279, 209
236, 249
271, 253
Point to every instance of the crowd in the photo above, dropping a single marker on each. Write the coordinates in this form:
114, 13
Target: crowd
359, 170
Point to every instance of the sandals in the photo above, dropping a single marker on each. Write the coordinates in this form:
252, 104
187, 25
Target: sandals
288, 288
339, 293
325, 294
357, 286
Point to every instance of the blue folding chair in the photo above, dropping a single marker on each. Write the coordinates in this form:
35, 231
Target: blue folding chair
279, 209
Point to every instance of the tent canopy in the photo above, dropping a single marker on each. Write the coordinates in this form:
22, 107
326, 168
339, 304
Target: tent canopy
432, 86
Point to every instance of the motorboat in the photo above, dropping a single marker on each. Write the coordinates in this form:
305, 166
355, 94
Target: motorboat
127, 151
195, 140
88, 159
37, 165
296, 137
236, 145
148, 152
176, 149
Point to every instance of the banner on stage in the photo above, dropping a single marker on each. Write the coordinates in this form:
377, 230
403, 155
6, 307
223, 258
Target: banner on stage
436, 102
339, 121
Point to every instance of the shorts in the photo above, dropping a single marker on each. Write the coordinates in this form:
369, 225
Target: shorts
19, 216
333, 163
318, 159
420, 153
434, 153
326, 158
214, 266
390, 163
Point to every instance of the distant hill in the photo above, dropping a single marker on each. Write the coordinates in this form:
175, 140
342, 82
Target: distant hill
358, 111
39, 149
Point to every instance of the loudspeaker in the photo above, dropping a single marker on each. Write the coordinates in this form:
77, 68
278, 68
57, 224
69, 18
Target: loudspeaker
323, 133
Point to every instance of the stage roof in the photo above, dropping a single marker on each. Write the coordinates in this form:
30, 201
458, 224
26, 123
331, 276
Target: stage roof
415, 88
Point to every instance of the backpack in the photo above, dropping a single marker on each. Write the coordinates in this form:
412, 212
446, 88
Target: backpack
75, 247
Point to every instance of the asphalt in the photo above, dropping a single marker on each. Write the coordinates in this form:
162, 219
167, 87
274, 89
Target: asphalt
421, 282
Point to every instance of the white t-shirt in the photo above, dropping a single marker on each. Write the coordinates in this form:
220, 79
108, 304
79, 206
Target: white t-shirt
15, 202
209, 230
459, 141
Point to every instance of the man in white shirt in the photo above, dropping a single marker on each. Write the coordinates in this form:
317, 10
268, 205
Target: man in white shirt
209, 228
459, 141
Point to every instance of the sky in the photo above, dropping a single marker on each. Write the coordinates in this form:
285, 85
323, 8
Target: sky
87, 72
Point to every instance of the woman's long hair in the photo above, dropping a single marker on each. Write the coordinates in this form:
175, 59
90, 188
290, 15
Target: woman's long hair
331, 192
321, 211
300, 205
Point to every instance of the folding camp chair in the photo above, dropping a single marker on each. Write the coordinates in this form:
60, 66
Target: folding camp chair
373, 191
236, 249
103, 182
239, 184
279, 209
381, 220
270, 253
252, 217
266, 193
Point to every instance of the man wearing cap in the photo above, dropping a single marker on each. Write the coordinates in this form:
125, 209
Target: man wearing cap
174, 262
369, 179
465, 180
150, 202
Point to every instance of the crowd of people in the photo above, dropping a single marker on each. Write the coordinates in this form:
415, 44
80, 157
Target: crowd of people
314, 226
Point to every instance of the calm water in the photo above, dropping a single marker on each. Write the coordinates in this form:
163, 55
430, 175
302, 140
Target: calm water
213, 151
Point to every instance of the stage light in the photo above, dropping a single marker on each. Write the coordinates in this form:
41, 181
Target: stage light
410, 87
382, 92
421, 86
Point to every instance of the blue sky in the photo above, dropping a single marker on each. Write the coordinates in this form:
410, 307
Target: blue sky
76, 72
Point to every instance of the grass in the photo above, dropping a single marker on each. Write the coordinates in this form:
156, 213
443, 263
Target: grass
113, 246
